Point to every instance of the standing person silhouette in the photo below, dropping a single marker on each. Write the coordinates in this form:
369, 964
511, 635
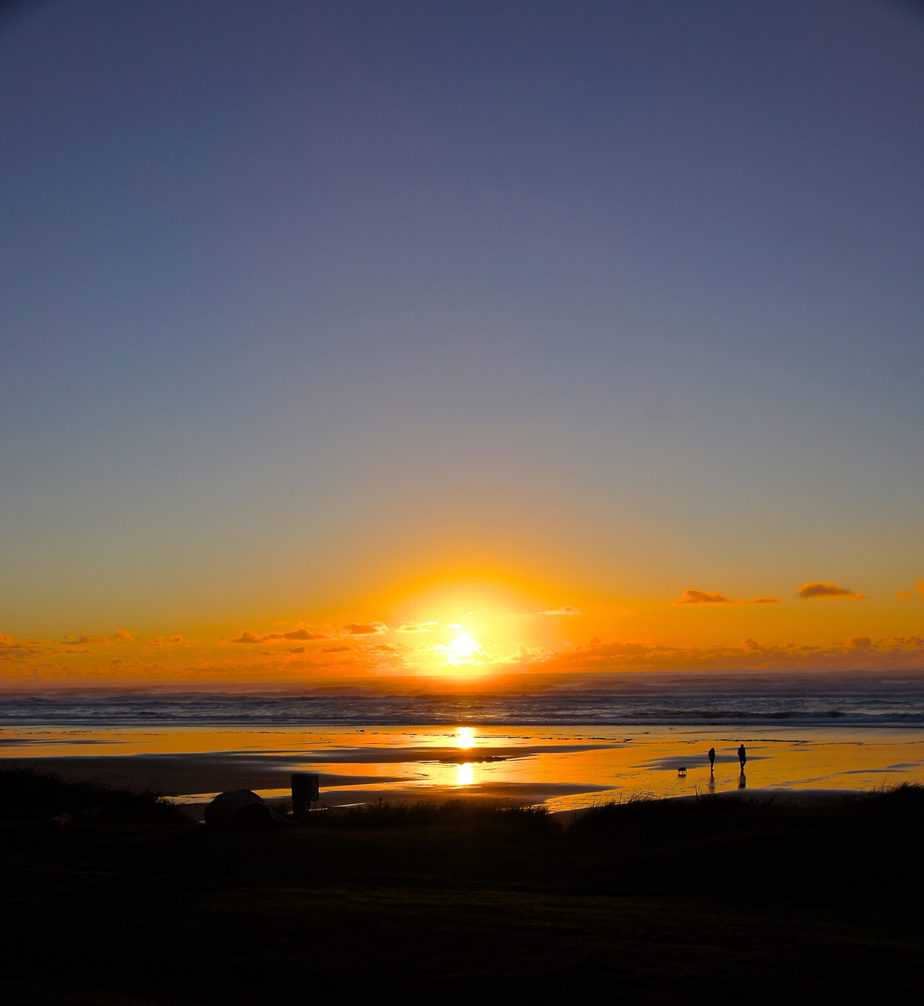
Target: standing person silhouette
711, 757
742, 756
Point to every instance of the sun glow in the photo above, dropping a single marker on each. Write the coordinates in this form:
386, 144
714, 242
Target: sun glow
465, 738
463, 647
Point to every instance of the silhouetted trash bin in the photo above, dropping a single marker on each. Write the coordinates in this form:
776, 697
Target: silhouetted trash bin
305, 788
239, 809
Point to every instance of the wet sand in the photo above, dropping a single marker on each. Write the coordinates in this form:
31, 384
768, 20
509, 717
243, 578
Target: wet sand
563, 768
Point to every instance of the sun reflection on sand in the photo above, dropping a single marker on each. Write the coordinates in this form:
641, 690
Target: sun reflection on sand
465, 774
465, 738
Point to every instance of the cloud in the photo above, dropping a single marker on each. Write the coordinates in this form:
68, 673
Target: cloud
818, 589
336, 649
702, 597
296, 649
120, 636
298, 634
860, 653
560, 612
418, 626
77, 640
385, 648
691, 596
365, 628
168, 640
247, 637
11, 647
295, 635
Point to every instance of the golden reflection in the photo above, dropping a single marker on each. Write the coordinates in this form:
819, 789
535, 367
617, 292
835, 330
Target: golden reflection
465, 774
465, 738
593, 765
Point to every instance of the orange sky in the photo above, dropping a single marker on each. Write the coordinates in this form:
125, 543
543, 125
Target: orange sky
463, 631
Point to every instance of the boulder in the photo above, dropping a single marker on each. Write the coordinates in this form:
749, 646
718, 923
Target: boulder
240, 809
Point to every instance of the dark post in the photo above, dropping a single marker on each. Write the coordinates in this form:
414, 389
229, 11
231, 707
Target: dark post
304, 790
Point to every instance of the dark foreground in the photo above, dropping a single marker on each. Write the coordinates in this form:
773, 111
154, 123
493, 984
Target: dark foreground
123, 900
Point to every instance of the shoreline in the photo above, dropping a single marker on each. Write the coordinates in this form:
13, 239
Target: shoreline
559, 768
192, 781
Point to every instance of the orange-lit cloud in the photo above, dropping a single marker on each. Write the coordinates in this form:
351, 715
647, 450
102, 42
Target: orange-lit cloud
295, 635
10, 647
691, 596
121, 636
365, 628
173, 640
299, 634
418, 626
817, 589
560, 612
858, 653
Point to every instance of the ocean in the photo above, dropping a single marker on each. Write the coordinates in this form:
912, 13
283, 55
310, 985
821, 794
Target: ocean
565, 747
851, 702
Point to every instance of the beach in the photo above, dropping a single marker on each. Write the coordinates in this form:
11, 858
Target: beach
462, 850
560, 768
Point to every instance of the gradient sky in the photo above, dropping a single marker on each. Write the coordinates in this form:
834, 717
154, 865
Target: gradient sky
330, 315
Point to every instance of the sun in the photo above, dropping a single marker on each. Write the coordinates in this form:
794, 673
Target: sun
463, 647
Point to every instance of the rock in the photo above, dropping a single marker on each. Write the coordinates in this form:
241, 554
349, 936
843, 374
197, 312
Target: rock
240, 809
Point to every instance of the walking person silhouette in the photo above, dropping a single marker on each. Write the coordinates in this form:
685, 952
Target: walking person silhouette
711, 757
742, 761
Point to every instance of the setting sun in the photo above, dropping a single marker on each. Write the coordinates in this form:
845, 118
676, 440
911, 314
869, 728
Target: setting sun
463, 647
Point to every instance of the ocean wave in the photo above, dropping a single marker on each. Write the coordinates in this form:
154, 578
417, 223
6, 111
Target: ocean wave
898, 707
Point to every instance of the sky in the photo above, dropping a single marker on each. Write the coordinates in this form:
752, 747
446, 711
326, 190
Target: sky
361, 340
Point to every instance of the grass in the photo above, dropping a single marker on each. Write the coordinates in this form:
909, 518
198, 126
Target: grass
661, 895
465, 815
33, 799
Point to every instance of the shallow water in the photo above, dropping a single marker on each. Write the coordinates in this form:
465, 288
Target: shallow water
562, 767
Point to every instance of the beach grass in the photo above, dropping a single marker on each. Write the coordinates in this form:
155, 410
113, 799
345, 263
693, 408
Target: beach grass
138, 900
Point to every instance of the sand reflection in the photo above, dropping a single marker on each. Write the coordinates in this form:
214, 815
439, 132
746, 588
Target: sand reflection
465, 774
564, 766
465, 738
